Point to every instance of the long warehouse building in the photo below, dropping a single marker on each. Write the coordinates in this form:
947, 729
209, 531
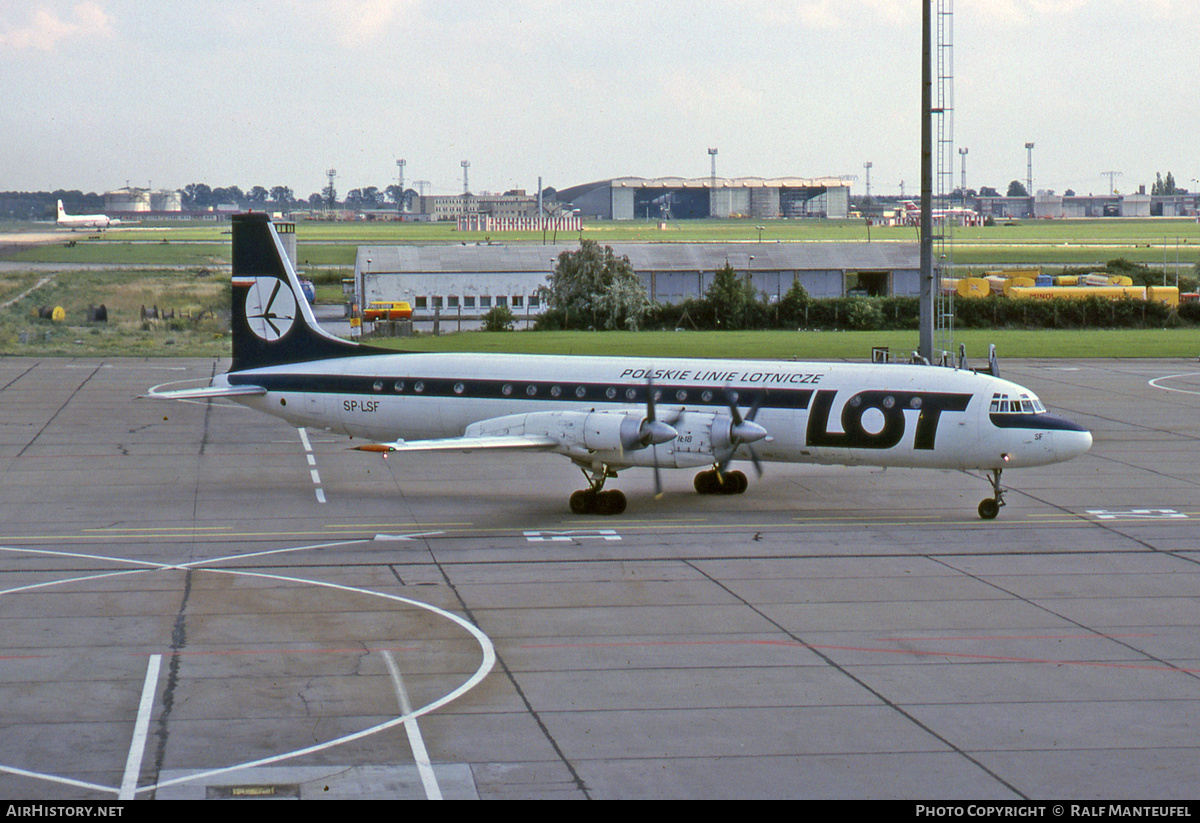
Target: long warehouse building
678, 198
469, 280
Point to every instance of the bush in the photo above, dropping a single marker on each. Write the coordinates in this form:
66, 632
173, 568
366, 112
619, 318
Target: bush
498, 318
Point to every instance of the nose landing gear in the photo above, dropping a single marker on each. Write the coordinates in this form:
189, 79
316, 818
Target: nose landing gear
990, 507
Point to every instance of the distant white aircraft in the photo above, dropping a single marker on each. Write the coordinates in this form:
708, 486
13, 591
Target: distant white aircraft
912, 213
607, 414
84, 221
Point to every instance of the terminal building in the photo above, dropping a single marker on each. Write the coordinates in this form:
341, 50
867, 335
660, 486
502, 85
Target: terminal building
678, 198
467, 281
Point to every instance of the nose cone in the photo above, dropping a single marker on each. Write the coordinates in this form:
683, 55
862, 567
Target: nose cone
656, 432
1068, 439
1071, 443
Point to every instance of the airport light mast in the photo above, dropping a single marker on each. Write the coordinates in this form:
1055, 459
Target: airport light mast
925, 342
400, 192
712, 187
1029, 170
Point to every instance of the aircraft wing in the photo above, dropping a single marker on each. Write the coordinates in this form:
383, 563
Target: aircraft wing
508, 442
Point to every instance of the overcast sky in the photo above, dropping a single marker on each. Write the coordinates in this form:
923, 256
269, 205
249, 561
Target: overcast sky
100, 93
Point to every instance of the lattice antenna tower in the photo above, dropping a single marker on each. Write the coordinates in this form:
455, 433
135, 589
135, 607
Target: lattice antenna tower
943, 112
332, 175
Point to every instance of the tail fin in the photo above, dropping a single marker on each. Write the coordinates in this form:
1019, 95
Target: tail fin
272, 322
61, 211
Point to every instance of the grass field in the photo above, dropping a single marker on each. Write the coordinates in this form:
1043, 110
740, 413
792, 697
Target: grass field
818, 345
1156, 242
184, 267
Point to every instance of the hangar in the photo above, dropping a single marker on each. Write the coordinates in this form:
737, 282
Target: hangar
466, 281
678, 198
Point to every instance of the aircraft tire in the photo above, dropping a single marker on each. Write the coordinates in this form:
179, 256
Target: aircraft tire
989, 508
610, 502
737, 482
706, 482
584, 501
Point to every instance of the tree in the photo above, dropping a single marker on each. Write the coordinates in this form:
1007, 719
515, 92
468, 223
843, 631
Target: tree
282, 195
592, 286
794, 305
1017, 189
1164, 187
731, 298
197, 195
258, 194
231, 195
988, 191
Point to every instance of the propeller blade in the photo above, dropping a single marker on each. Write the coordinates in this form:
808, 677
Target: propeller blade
743, 430
757, 463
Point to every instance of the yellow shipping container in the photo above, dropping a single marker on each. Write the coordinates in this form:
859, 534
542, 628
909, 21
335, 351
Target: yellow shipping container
1163, 294
1033, 274
1018, 283
1078, 292
973, 287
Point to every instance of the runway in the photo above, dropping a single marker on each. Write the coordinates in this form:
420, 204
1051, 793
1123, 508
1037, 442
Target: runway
200, 602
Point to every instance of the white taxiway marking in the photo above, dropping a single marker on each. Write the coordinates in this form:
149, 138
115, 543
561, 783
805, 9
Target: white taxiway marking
412, 536
137, 747
312, 461
570, 535
128, 788
1139, 514
1154, 382
420, 755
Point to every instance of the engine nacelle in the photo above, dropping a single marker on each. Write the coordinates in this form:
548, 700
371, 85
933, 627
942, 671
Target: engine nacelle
591, 431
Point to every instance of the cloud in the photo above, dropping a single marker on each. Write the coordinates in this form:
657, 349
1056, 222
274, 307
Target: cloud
355, 23
829, 14
45, 29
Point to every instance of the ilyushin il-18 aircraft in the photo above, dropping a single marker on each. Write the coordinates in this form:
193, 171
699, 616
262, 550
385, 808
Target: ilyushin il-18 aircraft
84, 221
607, 414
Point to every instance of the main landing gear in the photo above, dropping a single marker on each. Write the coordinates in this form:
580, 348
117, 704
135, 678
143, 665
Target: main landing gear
594, 500
714, 481
990, 507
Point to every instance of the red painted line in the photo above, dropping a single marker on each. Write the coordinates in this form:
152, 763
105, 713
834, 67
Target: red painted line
870, 650
1013, 637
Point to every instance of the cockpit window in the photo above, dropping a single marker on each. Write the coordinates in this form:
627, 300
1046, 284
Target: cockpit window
1019, 404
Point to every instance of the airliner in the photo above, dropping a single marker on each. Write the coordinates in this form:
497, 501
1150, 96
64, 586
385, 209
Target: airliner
84, 221
912, 213
609, 414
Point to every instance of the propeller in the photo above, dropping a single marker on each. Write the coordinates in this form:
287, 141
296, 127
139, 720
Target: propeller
658, 429
651, 432
744, 431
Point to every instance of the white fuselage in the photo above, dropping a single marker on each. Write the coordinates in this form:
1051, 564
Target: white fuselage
83, 221
880, 415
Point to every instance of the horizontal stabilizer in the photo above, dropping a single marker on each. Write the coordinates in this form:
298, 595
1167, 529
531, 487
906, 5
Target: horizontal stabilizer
205, 392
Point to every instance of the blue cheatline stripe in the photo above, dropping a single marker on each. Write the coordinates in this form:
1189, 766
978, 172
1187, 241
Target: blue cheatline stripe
574, 393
